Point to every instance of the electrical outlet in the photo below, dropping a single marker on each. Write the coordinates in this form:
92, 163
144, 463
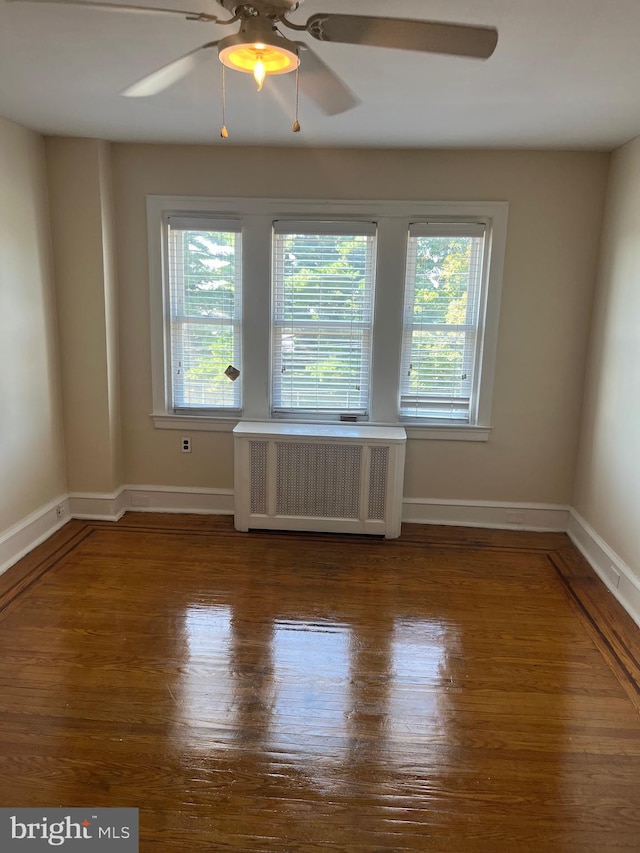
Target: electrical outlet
60, 511
185, 444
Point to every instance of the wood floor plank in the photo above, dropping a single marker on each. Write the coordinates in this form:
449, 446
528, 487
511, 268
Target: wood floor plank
449, 691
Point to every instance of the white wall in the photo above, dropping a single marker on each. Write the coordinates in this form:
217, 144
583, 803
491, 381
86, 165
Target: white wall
32, 469
556, 203
607, 493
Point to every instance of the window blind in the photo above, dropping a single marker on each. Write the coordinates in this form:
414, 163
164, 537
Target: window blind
204, 265
440, 349
323, 275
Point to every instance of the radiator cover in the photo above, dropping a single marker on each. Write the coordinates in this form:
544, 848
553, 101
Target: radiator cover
338, 479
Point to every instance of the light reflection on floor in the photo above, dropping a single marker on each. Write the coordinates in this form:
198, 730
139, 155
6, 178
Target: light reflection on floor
206, 700
311, 665
294, 688
418, 706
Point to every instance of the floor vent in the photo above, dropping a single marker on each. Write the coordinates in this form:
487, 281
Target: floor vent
338, 479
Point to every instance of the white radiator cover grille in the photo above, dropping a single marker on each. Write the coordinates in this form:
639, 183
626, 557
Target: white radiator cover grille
259, 477
318, 479
329, 478
378, 483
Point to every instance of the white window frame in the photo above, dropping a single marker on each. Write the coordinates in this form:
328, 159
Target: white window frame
198, 223
393, 219
278, 323
475, 324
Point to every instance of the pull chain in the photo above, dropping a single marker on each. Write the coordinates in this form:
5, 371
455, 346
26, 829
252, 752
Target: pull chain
296, 124
224, 133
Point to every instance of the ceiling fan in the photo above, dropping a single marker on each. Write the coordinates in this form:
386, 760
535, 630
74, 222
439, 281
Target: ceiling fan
260, 48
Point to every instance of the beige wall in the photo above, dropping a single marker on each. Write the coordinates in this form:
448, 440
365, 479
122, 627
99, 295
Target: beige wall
556, 203
608, 478
81, 206
31, 450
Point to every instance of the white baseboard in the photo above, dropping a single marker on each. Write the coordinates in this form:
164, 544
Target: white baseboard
178, 499
98, 506
20, 538
610, 568
111, 507
503, 516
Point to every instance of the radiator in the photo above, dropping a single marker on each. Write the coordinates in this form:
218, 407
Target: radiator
337, 479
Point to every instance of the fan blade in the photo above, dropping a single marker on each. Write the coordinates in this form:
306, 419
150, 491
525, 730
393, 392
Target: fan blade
166, 76
323, 85
121, 7
404, 34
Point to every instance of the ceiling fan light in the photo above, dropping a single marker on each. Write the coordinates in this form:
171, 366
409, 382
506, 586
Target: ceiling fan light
268, 55
259, 72
243, 57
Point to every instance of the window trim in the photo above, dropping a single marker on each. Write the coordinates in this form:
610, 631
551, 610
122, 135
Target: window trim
176, 222
393, 219
280, 323
446, 228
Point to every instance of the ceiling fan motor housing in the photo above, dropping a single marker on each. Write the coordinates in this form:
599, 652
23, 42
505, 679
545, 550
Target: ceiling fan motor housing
268, 8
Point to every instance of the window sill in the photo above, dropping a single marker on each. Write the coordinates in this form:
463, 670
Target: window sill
198, 423
205, 423
448, 433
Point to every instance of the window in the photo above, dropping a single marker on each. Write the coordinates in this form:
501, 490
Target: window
442, 314
205, 269
322, 317
385, 312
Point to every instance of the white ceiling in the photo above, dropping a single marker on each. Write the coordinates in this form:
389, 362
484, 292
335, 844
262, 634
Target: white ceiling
565, 74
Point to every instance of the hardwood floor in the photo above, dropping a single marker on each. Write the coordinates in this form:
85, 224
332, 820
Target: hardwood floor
452, 691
